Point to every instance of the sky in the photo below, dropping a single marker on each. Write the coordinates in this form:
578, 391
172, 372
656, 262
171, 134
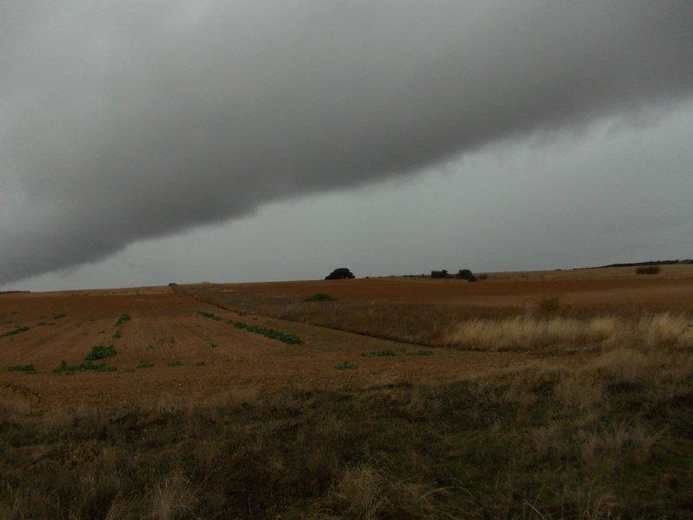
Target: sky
143, 143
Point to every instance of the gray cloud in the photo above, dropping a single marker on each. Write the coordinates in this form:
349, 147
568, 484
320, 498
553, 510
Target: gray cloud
123, 121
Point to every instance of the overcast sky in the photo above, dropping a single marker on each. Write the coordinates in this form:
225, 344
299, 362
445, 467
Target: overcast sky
149, 142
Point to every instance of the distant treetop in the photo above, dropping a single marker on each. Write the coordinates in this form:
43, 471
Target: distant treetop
341, 273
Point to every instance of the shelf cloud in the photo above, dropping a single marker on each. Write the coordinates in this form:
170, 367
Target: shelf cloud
124, 121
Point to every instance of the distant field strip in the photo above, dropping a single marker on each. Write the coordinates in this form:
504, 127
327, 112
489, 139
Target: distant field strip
525, 333
289, 339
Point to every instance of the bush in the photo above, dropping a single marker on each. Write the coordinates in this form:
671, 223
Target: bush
647, 269
341, 273
443, 273
321, 297
466, 274
100, 352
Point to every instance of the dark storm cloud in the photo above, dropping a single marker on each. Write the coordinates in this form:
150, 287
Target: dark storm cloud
122, 121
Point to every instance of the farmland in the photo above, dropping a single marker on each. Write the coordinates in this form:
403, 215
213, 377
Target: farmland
547, 394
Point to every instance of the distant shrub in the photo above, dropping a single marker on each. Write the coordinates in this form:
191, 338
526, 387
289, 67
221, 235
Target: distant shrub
100, 352
341, 273
346, 366
321, 297
64, 368
14, 331
548, 303
647, 269
482, 276
145, 364
22, 368
466, 274
122, 319
379, 353
443, 273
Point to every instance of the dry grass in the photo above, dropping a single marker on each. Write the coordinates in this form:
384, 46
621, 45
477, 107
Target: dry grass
527, 333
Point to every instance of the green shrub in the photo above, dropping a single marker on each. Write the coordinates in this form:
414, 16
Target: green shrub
100, 352
59, 315
145, 364
341, 273
122, 319
379, 353
64, 368
22, 368
346, 366
321, 297
14, 331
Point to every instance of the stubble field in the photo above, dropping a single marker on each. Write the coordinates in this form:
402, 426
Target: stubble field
551, 394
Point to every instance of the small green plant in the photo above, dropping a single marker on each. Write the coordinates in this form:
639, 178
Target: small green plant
346, 366
59, 315
100, 352
117, 335
199, 363
145, 364
421, 353
16, 330
379, 353
122, 319
175, 364
209, 315
28, 369
64, 368
212, 345
321, 297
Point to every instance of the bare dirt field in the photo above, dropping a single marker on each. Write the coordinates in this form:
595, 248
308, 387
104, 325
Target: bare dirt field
181, 353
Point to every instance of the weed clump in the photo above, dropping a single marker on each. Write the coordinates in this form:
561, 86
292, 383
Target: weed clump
28, 369
100, 352
64, 368
321, 297
16, 330
122, 319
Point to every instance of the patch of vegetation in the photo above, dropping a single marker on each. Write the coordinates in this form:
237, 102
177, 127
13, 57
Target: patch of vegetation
16, 330
59, 315
145, 364
64, 368
289, 339
199, 363
117, 334
22, 368
321, 297
100, 352
379, 353
443, 273
466, 274
175, 364
341, 273
536, 442
647, 269
420, 353
346, 366
122, 319
209, 315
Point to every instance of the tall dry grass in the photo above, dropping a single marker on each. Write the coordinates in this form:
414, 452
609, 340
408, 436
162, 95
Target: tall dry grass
527, 333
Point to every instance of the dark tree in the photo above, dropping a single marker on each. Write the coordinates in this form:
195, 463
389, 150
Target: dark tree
341, 273
466, 274
443, 273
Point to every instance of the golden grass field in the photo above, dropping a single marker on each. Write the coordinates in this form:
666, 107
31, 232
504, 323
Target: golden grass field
561, 394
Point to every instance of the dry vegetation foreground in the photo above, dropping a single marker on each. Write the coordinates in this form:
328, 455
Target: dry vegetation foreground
533, 395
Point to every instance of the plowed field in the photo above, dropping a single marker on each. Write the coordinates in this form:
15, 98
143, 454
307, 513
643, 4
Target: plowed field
168, 350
